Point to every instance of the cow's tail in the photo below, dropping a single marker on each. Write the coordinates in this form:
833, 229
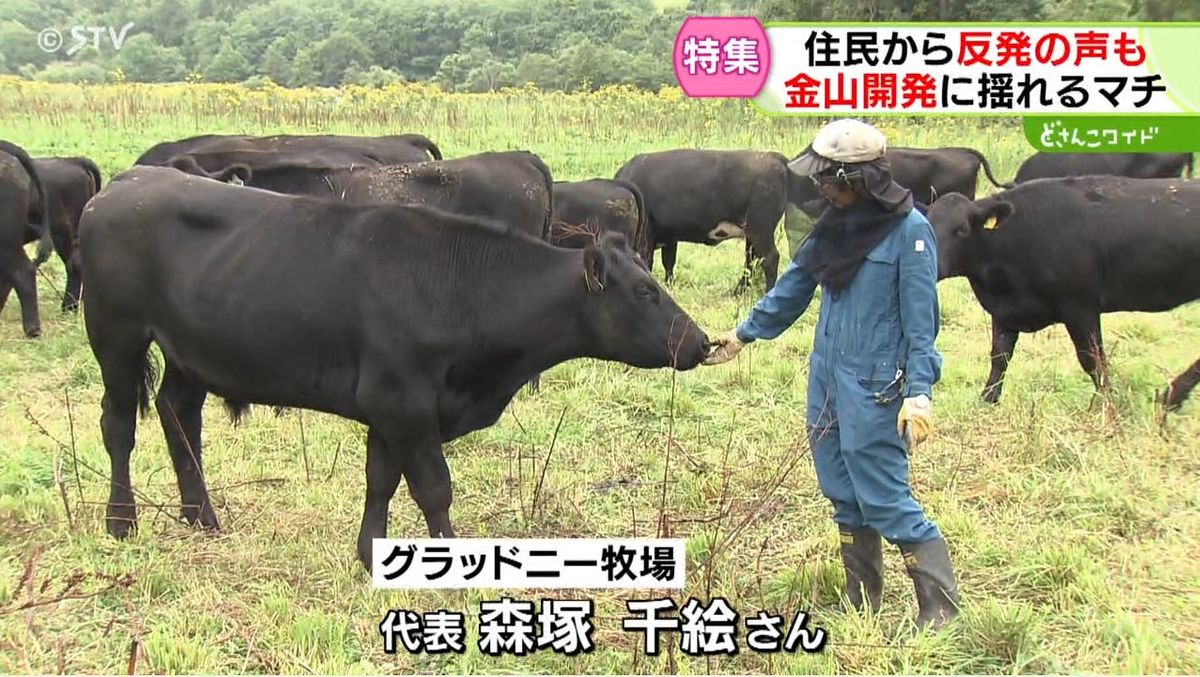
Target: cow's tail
987, 169
146, 383
45, 245
641, 234
542, 167
429, 146
92, 170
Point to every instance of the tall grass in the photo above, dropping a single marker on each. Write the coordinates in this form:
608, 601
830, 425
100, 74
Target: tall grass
1076, 537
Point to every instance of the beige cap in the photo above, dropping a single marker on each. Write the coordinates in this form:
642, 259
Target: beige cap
845, 141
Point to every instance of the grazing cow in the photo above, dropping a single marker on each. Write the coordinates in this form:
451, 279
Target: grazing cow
24, 216
583, 210
1042, 165
1067, 250
710, 196
391, 149
70, 182
927, 172
416, 322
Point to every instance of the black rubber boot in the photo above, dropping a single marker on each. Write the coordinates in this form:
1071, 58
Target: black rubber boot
862, 557
928, 565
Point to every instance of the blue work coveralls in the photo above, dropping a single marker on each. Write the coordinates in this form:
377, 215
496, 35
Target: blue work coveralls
886, 319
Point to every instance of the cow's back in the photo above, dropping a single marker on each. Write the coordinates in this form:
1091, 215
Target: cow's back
1118, 242
585, 209
932, 172
16, 191
1042, 165
511, 187
700, 187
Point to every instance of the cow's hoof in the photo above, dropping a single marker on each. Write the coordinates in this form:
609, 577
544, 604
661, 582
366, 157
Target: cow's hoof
121, 523
33, 332
1166, 398
205, 519
991, 396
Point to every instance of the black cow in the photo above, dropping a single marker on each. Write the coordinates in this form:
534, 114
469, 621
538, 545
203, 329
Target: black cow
513, 187
927, 172
583, 210
710, 196
286, 167
391, 149
1066, 251
418, 323
24, 216
1042, 165
70, 182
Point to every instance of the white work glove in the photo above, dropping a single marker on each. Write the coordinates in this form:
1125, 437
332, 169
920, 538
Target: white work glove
726, 347
915, 421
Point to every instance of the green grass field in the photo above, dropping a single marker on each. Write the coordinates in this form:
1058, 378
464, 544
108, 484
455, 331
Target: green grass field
1076, 534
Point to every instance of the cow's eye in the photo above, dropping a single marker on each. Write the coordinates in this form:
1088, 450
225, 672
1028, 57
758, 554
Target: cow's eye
643, 291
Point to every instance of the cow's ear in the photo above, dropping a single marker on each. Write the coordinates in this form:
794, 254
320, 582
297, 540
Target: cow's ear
614, 239
990, 216
594, 274
237, 174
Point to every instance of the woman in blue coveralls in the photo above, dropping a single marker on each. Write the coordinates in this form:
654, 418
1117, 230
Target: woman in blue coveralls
873, 364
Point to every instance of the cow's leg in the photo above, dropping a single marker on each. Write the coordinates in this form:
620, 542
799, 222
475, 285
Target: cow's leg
68, 251
428, 478
747, 271
1004, 342
23, 278
669, 250
5, 287
761, 223
124, 369
180, 404
73, 293
1089, 347
1181, 387
383, 476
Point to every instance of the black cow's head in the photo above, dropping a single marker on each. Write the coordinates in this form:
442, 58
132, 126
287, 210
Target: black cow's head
630, 316
235, 173
955, 220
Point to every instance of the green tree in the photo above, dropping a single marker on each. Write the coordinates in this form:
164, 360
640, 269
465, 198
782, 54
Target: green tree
586, 64
167, 20
304, 70
337, 53
142, 59
540, 69
275, 63
371, 77
19, 45
1166, 10
457, 69
229, 65
65, 71
202, 40
1088, 10
36, 14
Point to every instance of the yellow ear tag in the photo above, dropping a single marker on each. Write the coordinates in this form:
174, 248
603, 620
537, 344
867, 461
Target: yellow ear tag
990, 224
